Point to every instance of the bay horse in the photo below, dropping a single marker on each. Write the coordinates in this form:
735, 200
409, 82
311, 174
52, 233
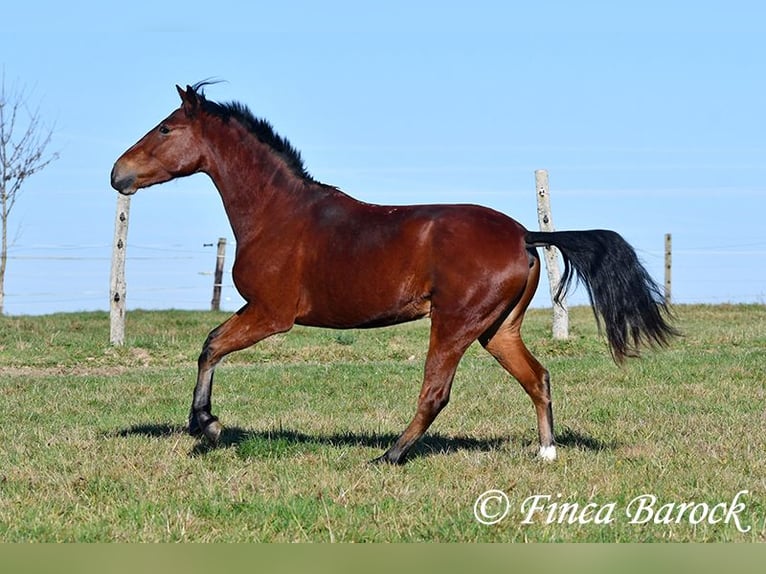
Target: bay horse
308, 254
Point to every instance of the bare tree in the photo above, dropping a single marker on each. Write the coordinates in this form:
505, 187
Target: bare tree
23, 143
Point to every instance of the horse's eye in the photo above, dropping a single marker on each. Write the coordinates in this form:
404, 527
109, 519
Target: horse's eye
164, 130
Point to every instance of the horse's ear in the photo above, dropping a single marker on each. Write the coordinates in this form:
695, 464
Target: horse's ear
189, 98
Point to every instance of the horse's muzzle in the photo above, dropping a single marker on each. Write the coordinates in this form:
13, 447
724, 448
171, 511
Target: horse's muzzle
124, 183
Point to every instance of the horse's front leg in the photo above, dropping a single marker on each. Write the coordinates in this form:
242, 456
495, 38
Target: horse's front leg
201, 419
240, 331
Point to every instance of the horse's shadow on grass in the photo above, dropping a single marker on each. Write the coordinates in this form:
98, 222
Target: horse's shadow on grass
295, 441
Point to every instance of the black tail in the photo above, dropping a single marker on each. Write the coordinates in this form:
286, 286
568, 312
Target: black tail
621, 291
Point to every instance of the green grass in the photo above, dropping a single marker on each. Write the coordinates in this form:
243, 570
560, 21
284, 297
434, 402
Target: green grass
92, 446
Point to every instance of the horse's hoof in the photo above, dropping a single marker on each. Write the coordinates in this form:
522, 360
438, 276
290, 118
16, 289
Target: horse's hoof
386, 458
213, 431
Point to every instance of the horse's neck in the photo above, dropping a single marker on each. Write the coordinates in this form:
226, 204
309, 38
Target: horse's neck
254, 184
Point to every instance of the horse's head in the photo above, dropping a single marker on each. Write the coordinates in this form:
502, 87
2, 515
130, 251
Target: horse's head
168, 151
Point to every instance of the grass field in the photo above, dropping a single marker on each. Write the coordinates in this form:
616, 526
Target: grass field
92, 446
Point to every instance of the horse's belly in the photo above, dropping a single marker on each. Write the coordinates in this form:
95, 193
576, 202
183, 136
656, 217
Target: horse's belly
350, 310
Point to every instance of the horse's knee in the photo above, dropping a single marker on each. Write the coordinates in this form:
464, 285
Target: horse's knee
207, 355
204, 357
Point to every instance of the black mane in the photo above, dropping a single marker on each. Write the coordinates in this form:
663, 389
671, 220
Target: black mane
259, 127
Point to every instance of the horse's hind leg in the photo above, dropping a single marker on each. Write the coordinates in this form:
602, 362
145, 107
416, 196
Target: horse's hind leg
509, 350
505, 344
240, 331
444, 353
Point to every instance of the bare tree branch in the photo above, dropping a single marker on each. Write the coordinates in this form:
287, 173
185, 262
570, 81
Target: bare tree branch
24, 141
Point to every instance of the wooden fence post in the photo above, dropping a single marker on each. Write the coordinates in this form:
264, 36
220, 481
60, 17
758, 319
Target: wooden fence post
545, 219
215, 304
668, 265
117, 283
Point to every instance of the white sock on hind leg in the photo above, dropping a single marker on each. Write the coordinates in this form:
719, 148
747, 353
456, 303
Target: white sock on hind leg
547, 453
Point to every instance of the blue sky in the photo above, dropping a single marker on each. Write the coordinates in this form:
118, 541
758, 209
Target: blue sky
649, 117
